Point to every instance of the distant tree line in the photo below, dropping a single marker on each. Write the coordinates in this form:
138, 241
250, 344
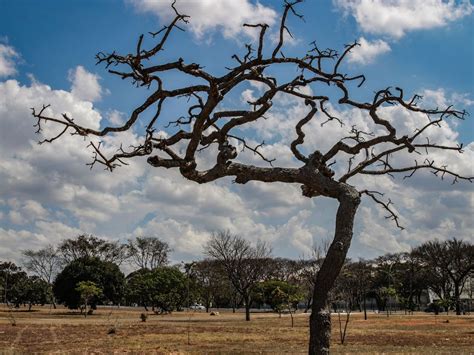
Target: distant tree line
84, 272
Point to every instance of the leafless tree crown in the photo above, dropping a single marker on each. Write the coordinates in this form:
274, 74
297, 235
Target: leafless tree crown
148, 252
208, 125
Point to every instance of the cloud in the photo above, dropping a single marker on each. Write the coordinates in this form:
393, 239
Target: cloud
115, 117
47, 193
227, 16
85, 85
16, 132
441, 98
14, 241
397, 17
368, 51
8, 57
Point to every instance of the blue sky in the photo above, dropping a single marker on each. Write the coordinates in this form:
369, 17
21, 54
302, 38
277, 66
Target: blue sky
47, 52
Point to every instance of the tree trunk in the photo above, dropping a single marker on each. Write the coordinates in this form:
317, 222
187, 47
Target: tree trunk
308, 305
365, 307
320, 319
291, 315
247, 309
457, 299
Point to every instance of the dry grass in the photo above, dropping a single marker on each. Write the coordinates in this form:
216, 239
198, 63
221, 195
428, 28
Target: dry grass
61, 331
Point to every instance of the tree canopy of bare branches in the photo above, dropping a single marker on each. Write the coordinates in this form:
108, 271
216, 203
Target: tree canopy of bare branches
214, 127
45, 263
148, 252
88, 246
244, 264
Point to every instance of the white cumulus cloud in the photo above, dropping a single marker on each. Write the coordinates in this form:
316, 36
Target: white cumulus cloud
8, 57
368, 51
397, 17
85, 85
207, 15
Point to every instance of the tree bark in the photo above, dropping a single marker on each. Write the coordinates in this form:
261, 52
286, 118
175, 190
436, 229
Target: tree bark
320, 319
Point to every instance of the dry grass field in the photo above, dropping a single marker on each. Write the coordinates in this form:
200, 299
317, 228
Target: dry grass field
62, 331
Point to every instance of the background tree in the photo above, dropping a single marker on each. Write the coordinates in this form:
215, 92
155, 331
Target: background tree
164, 289
210, 283
309, 269
89, 246
244, 264
138, 288
361, 272
213, 287
344, 295
412, 281
46, 264
104, 274
345, 290
279, 295
386, 281
168, 288
87, 290
148, 252
13, 280
451, 260
213, 125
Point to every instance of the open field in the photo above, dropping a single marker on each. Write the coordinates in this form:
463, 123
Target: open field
58, 331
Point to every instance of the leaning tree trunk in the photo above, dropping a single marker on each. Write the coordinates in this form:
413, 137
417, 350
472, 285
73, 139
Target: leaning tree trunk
320, 319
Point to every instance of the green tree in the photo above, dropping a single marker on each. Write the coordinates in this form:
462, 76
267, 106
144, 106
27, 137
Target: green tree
163, 288
87, 290
105, 275
168, 287
138, 288
18, 288
279, 295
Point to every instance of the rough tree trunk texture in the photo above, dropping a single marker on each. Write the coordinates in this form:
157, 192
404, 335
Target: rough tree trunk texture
320, 320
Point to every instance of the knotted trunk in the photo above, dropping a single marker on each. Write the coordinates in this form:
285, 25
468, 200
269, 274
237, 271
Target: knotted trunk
320, 320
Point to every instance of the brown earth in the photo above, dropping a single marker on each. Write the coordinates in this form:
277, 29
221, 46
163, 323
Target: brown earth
62, 331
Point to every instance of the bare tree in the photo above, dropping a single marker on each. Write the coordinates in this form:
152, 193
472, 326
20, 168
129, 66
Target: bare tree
84, 246
148, 252
44, 263
211, 123
244, 264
